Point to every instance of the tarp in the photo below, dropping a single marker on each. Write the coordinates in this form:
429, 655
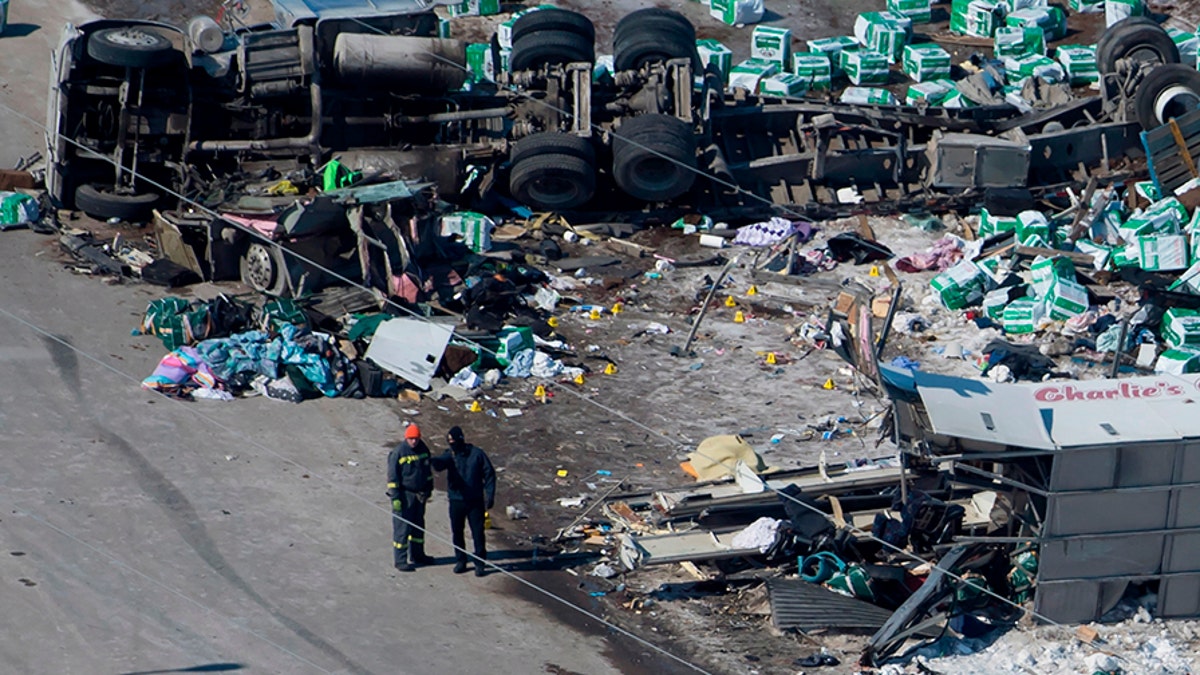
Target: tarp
716, 457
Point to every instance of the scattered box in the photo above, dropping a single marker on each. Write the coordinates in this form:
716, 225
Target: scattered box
769, 43
713, 52
932, 92
867, 96
475, 8
887, 39
1079, 63
1033, 65
1186, 43
1032, 224
1051, 19
960, 286
1181, 327
1178, 361
1086, 6
990, 224
1066, 299
865, 67
750, 73
479, 63
1115, 10
1020, 41
926, 62
977, 18
1045, 271
783, 84
475, 229
1022, 316
1163, 252
815, 68
917, 11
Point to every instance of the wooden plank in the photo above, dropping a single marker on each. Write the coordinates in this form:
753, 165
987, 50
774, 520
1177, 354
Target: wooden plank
1074, 256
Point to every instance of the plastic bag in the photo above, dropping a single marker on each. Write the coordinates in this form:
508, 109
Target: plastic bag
17, 210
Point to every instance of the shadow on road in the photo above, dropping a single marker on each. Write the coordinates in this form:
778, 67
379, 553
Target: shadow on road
19, 30
525, 560
206, 668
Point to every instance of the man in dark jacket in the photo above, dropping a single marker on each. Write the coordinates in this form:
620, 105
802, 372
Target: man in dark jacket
471, 488
410, 483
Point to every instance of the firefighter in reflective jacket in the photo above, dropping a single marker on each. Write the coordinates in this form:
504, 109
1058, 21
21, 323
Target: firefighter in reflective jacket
410, 484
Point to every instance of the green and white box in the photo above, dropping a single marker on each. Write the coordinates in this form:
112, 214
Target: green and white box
1180, 327
712, 52
1032, 224
505, 65
832, 47
1012, 41
865, 67
1033, 65
864, 21
603, 67
504, 30
990, 224
475, 229
815, 68
994, 303
1079, 63
1101, 253
770, 43
887, 39
932, 92
867, 96
750, 73
960, 286
443, 28
977, 18
1163, 252
1115, 10
1086, 6
956, 99
1165, 216
1186, 43
475, 8
1066, 299
1125, 256
479, 63
1189, 281
926, 62
1052, 20
1181, 361
1045, 271
734, 12
917, 11
788, 85
1023, 316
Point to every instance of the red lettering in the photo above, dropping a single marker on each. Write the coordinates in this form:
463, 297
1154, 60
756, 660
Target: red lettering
1174, 390
1072, 394
1096, 395
1050, 394
1150, 392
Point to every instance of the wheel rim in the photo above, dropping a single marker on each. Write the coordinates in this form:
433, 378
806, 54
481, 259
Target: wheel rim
1175, 101
260, 267
1145, 55
550, 190
656, 173
131, 37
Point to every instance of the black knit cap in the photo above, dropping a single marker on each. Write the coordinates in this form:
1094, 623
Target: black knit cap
456, 434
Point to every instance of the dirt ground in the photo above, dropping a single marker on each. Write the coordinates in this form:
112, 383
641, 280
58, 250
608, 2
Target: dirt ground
633, 428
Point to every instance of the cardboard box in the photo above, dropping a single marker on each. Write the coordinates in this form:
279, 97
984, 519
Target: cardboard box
1051, 19
977, 18
479, 63
960, 286
734, 12
1115, 10
1011, 41
1181, 327
990, 224
770, 43
713, 52
1032, 224
815, 68
750, 73
475, 229
1079, 63
788, 85
1101, 253
1066, 299
512, 341
1163, 252
1045, 271
865, 67
917, 11
1022, 316
1186, 43
475, 8
926, 62
1179, 361
1086, 6
867, 96
1033, 65
1189, 281
932, 92
863, 21
887, 39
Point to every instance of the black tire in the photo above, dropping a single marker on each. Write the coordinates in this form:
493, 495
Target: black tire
132, 46
651, 35
262, 268
1168, 91
554, 20
545, 48
553, 182
553, 143
1135, 37
654, 157
103, 203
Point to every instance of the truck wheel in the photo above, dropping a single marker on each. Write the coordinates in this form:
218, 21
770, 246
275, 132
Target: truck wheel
554, 20
553, 171
546, 48
1168, 91
104, 202
1137, 38
264, 270
553, 143
654, 157
132, 46
651, 35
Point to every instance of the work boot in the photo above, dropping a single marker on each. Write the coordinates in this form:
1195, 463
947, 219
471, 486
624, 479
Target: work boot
460, 567
480, 569
405, 567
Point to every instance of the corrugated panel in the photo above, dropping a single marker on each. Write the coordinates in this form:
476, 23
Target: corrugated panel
804, 606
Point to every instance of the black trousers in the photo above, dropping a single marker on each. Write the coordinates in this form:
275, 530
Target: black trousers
467, 513
408, 539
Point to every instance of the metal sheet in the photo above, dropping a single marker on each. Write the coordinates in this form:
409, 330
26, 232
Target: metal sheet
982, 411
1098, 557
1105, 512
797, 604
1089, 469
1185, 511
660, 549
410, 348
1179, 596
1182, 553
1078, 601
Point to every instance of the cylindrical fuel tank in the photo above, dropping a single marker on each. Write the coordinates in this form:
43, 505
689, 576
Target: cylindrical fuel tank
400, 63
205, 34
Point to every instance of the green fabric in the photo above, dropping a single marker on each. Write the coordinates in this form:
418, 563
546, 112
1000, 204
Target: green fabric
283, 310
336, 176
174, 321
365, 325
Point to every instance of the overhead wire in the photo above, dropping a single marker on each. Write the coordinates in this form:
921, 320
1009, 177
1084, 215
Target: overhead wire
616, 413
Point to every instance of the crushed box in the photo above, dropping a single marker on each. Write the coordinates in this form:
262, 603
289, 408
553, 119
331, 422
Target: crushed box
867, 96
783, 84
750, 73
712, 52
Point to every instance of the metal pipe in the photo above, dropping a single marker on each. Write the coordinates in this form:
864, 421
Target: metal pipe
708, 299
457, 116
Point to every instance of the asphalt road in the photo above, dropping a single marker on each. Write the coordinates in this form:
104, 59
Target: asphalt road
139, 534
